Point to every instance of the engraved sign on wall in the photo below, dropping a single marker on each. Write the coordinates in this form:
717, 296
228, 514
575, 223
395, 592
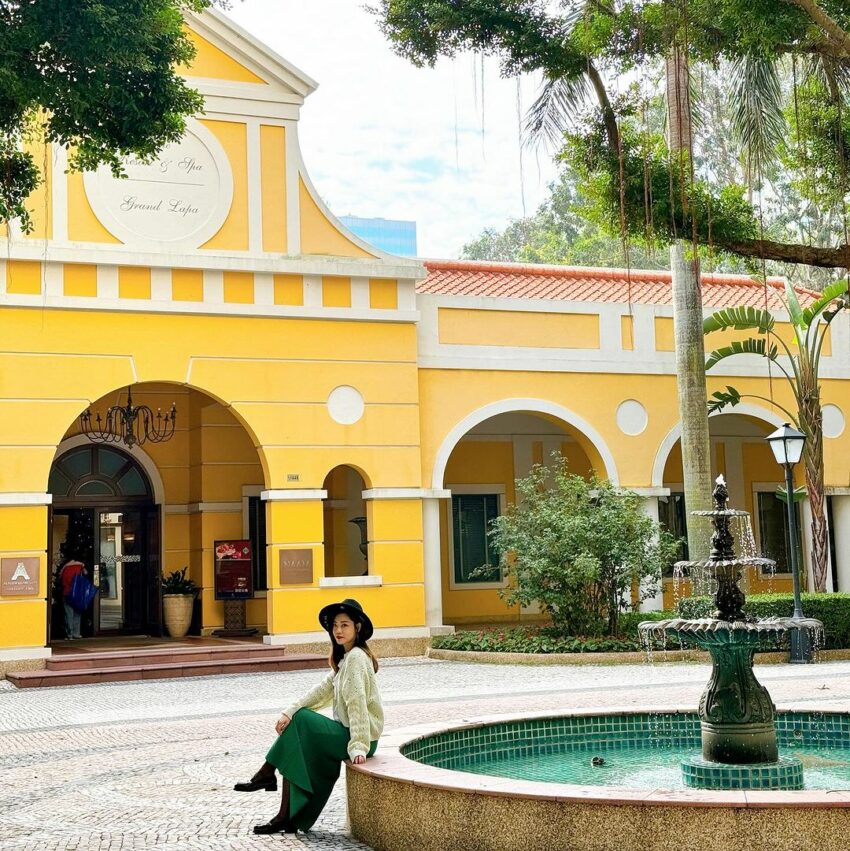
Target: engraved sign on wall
19, 577
179, 199
296, 567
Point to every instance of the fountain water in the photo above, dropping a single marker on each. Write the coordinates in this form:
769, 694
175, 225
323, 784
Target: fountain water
736, 712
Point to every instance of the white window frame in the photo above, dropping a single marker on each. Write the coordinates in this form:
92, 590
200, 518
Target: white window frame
767, 487
471, 490
247, 492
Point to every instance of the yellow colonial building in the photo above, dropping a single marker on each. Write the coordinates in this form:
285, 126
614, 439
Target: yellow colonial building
358, 418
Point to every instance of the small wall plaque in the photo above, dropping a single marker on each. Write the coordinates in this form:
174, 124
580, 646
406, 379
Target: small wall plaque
19, 577
296, 567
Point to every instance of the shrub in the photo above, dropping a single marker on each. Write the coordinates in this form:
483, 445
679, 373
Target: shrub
578, 547
629, 622
833, 610
177, 583
519, 640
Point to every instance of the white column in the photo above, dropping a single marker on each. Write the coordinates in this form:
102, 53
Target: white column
841, 520
433, 563
649, 507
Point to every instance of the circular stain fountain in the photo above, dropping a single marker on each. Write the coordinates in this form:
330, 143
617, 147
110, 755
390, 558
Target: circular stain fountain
605, 781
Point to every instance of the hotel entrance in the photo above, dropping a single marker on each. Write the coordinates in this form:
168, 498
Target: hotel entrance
104, 516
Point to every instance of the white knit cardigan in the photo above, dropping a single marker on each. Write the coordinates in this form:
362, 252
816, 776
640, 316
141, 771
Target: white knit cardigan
355, 697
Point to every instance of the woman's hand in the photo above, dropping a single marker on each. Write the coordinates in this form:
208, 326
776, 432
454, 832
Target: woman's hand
359, 760
282, 724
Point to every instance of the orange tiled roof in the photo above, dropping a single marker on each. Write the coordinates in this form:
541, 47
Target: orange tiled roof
575, 283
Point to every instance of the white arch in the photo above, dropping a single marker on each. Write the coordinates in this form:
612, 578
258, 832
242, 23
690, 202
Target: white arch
755, 411
534, 406
138, 454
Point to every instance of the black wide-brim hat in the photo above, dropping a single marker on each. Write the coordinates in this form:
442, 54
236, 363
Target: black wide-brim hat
351, 608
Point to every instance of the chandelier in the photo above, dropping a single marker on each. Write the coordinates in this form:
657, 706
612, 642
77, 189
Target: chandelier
130, 424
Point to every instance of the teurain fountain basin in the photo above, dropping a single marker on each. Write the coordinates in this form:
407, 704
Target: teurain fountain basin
422, 790
737, 774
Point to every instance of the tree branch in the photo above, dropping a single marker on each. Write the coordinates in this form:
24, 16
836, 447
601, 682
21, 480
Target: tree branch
834, 32
609, 117
789, 252
822, 47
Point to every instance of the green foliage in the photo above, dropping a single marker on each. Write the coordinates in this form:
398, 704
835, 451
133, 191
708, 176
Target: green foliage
757, 119
578, 546
832, 610
799, 494
632, 186
98, 78
521, 640
648, 193
628, 626
817, 144
750, 346
739, 318
721, 398
558, 233
177, 583
833, 291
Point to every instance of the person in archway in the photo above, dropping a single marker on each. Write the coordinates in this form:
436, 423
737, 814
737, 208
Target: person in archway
71, 567
310, 747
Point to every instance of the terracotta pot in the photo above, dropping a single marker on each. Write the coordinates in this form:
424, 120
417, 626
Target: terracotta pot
177, 613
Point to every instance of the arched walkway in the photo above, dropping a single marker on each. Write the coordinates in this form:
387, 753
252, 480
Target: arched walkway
591, 440
738, 451
672, 438
478, 463
344, 522
204, 488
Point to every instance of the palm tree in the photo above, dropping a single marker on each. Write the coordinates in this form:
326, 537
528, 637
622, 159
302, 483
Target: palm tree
800, 367
687, 317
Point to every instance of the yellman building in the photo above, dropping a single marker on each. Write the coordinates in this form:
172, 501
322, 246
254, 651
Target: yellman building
358, 417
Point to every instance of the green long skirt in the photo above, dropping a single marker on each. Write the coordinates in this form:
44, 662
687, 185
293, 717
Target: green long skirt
309, 753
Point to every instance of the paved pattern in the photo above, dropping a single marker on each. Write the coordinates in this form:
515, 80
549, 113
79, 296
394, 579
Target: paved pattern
127, 766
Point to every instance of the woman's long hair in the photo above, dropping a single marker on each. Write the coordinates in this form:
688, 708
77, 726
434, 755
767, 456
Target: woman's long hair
338, 651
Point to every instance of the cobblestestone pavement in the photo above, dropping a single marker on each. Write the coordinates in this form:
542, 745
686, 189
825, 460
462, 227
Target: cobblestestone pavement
143, 765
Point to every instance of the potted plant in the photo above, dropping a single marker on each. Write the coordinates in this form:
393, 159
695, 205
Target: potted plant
178, 597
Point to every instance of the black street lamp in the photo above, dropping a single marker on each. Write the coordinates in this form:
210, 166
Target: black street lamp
787, 444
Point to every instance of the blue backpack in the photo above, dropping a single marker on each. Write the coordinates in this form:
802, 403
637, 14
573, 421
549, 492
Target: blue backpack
82, 593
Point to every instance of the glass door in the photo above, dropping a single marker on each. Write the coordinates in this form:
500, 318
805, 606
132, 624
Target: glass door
119, 572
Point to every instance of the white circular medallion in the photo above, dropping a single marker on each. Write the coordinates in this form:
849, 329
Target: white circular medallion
345, 405
632, 418
179, 200
833, 421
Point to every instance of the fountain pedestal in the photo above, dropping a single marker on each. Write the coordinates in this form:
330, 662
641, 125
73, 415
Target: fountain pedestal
735, 709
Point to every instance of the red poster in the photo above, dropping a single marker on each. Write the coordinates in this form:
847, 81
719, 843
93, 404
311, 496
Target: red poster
234, 575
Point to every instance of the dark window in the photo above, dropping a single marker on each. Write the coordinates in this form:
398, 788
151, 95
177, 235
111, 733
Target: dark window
257, 535
773, 530
673, 517
472, 515
94, 472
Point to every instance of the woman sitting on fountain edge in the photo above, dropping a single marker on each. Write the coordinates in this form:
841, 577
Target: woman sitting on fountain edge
311, 747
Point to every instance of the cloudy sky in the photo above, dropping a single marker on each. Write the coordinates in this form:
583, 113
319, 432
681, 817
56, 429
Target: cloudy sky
382, 138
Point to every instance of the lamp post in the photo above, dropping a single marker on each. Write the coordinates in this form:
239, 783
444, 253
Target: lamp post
787, 444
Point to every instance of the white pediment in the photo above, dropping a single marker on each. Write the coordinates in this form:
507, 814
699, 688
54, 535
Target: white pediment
284, 81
